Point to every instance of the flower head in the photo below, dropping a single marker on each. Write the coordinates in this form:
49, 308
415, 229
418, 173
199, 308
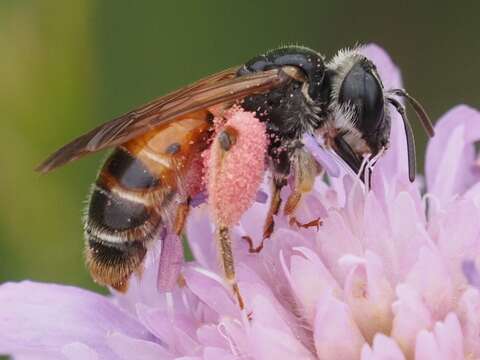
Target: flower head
391, 274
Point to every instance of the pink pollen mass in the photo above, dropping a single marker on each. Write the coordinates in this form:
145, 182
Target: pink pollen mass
234, 176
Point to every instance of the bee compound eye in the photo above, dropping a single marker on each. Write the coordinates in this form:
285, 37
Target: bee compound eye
362, 90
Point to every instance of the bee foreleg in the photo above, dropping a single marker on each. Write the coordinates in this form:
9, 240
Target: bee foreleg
227, 262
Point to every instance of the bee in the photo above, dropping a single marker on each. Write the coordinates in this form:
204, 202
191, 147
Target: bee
146, 183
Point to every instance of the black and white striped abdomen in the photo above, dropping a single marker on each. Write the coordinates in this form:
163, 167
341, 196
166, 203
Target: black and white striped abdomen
121, 218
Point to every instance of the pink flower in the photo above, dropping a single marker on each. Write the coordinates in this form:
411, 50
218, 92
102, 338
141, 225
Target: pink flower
391, 274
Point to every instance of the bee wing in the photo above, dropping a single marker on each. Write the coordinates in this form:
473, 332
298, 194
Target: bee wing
215, 89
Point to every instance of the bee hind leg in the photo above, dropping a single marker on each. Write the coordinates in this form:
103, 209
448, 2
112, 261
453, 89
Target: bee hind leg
227, 262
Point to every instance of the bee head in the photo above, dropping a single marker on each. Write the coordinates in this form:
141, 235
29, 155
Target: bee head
361, 116
361, 92
358, 102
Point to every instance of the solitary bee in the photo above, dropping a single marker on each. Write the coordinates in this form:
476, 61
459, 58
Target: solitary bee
147, 183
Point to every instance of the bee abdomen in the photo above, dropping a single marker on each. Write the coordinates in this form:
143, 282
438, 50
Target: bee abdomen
116, 211
121, 220
112, 263
129, 171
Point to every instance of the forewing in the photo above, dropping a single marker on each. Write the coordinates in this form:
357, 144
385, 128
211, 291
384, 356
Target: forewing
215, 89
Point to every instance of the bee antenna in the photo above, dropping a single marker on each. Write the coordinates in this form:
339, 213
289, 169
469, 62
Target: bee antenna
419, 110
412, 162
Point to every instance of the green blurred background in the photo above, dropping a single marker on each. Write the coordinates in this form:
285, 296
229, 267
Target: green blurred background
67, 66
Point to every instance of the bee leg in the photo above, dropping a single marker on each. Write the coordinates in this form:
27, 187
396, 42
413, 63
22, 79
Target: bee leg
305, 172
290, 206
226, 259
269, 225
181, 216
292, 201
314, 223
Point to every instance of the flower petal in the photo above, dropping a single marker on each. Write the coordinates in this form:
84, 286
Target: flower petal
211, 335
310, 280
336, 334
79, 351
160, 323
45, 317
199, 232
471, 273
469, 315
171, 260
370, 296
278, 341
213, 353
457, 231
335, 240
276, 344
426, 347
211, 291
410, 316
407, 234
321, 155
384, 348
443, 343
127, 348
431, 279
450, 156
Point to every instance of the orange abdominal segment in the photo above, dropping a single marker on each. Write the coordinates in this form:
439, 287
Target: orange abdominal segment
169, 151
134, 194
